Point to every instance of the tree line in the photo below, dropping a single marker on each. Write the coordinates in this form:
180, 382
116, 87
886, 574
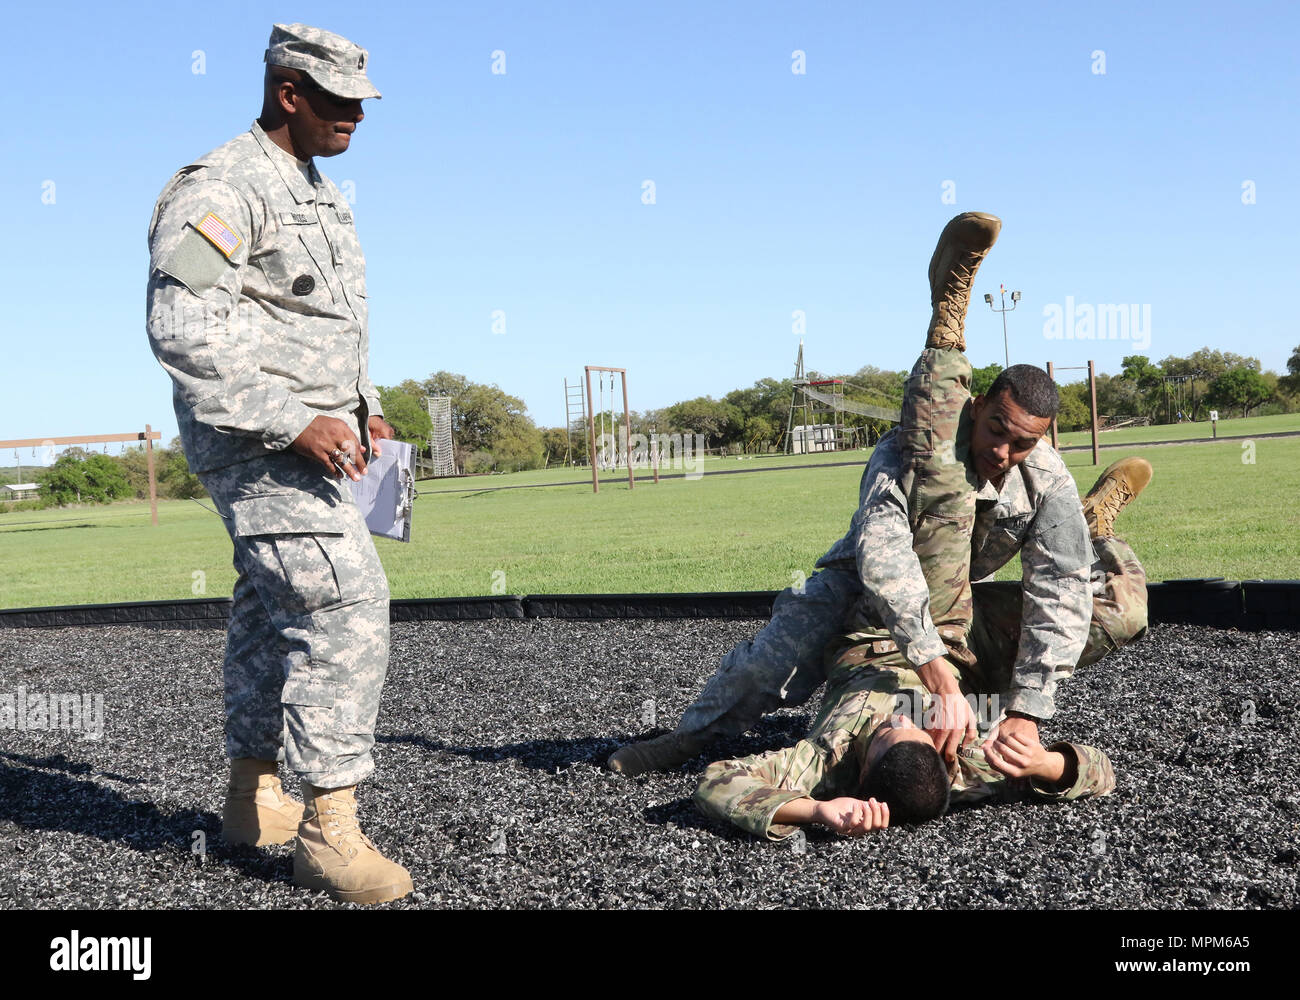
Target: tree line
81, 476
1187, 388
493, 432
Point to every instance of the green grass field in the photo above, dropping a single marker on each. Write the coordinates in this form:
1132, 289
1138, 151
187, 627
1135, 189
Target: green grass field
1238, 427
1206, 513
547, 477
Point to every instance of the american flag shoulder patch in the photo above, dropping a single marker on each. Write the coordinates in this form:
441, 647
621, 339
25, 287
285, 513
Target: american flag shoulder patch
219, 234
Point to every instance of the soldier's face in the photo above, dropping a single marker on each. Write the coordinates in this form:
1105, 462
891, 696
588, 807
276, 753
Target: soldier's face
320, 123
1004, 433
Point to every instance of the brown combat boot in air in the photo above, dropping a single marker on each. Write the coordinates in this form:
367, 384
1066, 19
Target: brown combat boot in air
257, 812
663, 753
1120, 483
963, 244
333, 855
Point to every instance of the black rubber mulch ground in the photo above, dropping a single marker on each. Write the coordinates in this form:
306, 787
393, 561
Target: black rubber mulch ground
489, 786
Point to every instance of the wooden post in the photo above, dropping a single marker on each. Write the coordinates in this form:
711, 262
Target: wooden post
148, 437
1055, 444
591, 435
153, 480
627, 433
1092, 394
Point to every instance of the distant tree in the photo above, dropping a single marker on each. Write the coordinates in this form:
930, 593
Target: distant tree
1117, 396
174, 476
759, 433
556, 444
1242, 387
1139, 370
135, 467
406, 411
80, 477
517, 445
484, 417
1288, 386
1073, 414
981, 379
64, 481
705, 415
106, 478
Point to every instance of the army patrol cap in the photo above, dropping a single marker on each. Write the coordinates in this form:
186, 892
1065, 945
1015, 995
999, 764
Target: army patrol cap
334, 64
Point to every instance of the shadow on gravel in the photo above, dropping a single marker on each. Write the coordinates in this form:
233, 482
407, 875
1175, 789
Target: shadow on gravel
58, 762
547, 755
42, 797
540, 755
682, 814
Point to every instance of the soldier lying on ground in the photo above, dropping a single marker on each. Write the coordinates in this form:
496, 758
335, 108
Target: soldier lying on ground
1066, 612
865, 764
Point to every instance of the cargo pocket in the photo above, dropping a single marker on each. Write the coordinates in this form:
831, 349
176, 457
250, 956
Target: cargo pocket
916, 423
290, 568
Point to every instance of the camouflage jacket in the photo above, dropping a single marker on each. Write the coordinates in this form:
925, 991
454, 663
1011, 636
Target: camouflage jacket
256, 303
1036, 513
827, 764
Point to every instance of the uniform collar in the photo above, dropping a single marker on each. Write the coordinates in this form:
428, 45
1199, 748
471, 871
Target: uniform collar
286, 165
988, 491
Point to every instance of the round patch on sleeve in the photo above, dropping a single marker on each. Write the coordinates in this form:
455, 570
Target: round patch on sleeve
304, 284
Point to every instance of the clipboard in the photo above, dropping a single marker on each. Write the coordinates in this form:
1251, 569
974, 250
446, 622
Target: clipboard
386, 493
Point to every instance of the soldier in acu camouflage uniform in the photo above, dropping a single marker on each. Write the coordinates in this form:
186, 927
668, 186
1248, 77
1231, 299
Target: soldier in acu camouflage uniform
257, 310
911, 548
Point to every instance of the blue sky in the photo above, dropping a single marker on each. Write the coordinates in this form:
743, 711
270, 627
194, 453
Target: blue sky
774, 191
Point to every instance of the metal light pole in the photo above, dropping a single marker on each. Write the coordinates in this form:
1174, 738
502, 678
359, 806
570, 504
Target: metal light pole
1015, 297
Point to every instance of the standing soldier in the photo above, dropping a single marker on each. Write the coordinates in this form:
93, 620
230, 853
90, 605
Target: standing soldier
257, 309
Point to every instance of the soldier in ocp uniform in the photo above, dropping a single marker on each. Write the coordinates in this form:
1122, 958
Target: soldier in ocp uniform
257, 310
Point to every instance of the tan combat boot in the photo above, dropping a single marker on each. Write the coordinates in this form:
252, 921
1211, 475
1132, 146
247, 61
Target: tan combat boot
257, 812
333, 855
963, 244
1120, 483
663, 753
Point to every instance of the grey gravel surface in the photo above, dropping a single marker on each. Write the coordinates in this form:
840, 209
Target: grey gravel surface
490, 786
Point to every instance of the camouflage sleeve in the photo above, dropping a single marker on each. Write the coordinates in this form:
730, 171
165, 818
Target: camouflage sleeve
894, 585
1093, 774
374, 407
976, 780
749, 791
1056, 563
203, 336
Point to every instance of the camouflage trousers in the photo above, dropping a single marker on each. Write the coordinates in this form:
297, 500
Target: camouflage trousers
938, 481
939, 486
307, 649
787, 661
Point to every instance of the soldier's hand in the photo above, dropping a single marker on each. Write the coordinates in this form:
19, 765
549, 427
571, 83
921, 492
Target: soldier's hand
951, 721
1018, 726
853, 817
379, 429
1018, 757
330, 442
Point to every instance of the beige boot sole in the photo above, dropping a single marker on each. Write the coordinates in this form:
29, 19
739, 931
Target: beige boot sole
372, 894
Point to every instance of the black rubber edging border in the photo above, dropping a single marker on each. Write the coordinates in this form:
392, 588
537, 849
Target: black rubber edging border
1251, 605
